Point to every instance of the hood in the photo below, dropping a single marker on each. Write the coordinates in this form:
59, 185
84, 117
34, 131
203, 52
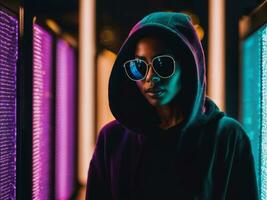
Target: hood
126, 102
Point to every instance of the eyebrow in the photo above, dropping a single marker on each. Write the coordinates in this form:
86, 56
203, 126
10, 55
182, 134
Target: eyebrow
144, 58
141, 57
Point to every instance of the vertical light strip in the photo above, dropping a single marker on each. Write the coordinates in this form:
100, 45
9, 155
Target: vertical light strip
264, 116
65, 120
86, 103
42, 94
8, 63
216, 52
105, 61
251, 94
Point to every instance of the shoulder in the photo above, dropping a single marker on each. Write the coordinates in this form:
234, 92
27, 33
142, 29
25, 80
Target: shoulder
112, 136
232, 134
230, 127
111, 129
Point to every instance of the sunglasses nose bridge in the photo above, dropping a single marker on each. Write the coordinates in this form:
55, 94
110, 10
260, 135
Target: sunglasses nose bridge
151, 74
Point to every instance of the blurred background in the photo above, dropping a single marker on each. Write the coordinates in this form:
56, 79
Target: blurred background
55, 61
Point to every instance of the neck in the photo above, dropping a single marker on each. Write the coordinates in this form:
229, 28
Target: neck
170, 115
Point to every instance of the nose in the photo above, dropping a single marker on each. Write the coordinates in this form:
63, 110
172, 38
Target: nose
151, 75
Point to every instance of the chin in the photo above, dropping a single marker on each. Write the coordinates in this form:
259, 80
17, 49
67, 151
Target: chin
155, 102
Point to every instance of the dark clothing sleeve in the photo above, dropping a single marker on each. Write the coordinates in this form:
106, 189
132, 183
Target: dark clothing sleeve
242, 181
97, 186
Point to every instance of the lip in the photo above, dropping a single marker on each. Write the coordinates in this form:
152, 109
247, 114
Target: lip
155, 92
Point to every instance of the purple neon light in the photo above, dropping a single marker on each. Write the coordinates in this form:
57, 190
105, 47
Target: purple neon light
42, 94
65, 120
8, 60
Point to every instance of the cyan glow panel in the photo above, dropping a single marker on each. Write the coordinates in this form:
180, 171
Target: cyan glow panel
42, 106
264, 115
65, 120
8, 63
254, 101
251, 94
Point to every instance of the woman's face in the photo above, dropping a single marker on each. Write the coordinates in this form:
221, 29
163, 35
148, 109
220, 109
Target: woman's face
158, 91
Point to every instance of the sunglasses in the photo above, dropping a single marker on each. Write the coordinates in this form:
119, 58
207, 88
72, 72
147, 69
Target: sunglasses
137, 69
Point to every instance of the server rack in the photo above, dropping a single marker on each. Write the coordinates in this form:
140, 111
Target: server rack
253, 82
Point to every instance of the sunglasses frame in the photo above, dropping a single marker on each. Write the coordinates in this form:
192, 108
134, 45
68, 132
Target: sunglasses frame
147, 67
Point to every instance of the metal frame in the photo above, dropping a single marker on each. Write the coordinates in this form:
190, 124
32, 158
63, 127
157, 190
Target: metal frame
24, 105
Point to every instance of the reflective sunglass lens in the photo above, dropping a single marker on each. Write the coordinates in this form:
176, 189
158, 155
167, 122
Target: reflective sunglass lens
164, 66
135, 69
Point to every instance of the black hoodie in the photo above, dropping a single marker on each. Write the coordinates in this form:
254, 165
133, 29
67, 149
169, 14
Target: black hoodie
207, 157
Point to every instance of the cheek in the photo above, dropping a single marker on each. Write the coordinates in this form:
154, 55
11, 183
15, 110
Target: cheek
174, 84
139, 85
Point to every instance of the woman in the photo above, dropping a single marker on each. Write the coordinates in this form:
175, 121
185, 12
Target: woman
169, 140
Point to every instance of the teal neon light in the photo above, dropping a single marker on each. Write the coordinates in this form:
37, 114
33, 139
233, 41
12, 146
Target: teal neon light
251, 95
264, 116
254, 101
